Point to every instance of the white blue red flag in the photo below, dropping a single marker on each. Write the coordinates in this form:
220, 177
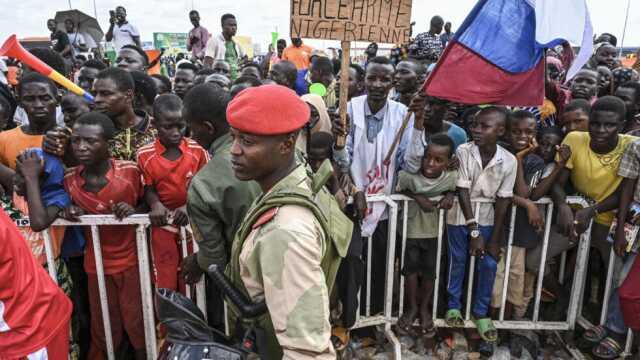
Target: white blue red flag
497, 55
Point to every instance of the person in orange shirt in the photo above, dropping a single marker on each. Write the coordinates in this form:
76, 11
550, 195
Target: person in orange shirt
298, 53
39, 98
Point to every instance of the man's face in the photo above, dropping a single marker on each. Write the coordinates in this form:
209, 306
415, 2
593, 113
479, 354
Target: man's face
604, 127
297, 42
434, 112
406, 78
201, 132
51, 25
39, 102
222, 68
171, 127
255, 157
604, 76
522, 133
195, 19
316, 157
109, 99
576, 120
121, 14
278, 75
68, 25
435, 161
86, 77
252, 71
606, 56
378, 81
355, 86
585, 85
88, 144
436, 26
230, 27
130, 60
554, 72
72, 108
372, 50
486, 129
447, 27
281, 46
630, 98
183, 81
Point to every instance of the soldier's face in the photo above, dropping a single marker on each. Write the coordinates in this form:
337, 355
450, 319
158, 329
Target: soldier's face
259, 158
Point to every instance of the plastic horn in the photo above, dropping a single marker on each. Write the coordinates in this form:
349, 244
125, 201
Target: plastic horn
13, 49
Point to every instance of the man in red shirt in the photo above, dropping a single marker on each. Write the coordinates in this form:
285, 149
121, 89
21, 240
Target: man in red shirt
34, 312
167, 166
101, 185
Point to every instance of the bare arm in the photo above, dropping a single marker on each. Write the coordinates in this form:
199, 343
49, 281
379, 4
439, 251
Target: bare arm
136, 39
626, 197
109, 35
465, 203
501, 206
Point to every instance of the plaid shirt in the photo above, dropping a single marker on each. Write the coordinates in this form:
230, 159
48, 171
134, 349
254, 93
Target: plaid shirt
630, 166
426, 47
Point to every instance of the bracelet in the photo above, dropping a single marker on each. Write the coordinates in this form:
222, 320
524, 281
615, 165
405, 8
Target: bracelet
471, 221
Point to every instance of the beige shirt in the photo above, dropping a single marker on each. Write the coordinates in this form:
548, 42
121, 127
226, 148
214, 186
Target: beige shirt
495, 180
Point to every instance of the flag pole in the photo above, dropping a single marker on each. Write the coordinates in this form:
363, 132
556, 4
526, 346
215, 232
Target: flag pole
624, 30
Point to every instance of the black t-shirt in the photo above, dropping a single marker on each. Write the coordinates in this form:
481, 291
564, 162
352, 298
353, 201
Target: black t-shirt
524, 234
59, 40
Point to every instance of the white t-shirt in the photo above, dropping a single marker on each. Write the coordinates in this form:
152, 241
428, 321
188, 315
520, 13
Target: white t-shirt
76, 40
123, 35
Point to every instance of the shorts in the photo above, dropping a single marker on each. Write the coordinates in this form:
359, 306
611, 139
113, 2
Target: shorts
516, 285
420, 258
125, 310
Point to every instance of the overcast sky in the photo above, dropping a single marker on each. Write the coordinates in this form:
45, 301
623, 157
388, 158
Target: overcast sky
257, 18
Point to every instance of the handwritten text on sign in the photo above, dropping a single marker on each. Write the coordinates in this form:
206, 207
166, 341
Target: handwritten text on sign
383, 21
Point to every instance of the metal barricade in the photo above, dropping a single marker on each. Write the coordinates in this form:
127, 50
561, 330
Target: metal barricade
141, 222
388, 318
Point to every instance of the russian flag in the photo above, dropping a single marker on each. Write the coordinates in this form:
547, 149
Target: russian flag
497, 55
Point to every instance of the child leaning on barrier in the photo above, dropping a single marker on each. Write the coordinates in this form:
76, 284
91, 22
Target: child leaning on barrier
102, 185
422, 228
487, 173
168, 165
528, 227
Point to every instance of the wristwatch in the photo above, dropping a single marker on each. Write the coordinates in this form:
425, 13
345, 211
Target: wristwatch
474, 234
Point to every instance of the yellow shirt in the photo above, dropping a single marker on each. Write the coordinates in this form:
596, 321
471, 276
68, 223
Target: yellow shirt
595, 175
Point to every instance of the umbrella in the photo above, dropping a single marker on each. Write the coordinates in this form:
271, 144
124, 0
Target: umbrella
86, 25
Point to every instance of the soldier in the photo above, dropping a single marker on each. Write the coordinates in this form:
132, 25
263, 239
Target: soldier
292, 239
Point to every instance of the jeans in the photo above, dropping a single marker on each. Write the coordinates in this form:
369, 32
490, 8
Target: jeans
486, 266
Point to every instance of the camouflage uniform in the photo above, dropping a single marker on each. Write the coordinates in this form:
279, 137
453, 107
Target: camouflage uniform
287, 252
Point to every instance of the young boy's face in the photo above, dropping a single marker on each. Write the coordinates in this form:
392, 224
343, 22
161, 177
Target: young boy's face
72, 108
604, 127
171, 127
487, 128
522, 133
89, 144
316, 157
547, 146
576, 120
435, 160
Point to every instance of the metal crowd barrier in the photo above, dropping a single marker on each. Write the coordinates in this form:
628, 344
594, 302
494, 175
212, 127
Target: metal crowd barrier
388, 318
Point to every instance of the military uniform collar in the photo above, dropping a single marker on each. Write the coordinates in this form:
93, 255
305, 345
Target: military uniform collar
294, 179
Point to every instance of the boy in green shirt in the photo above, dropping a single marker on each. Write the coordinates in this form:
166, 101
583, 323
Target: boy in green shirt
422, 227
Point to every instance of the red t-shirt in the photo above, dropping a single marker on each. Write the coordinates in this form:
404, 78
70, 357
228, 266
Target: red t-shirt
32, 307
118, 241
169, 178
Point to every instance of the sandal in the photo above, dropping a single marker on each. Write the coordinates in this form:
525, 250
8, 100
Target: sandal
453, 318
405, 322
607, 349
486, 329
595, 334
429, 331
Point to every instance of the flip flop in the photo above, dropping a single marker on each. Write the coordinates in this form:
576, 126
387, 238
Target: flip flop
607, 349
486, 329
595, 334
429, 331
454, 318
405, 322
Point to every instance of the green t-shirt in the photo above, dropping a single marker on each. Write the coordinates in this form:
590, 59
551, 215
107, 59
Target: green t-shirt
420, 224
231, 57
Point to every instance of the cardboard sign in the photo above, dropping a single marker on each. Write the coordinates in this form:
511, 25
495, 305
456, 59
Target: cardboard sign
381, 21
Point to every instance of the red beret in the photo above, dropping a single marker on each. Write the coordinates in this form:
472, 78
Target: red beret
267, 110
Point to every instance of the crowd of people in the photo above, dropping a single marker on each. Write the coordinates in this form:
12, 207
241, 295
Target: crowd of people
209, 147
